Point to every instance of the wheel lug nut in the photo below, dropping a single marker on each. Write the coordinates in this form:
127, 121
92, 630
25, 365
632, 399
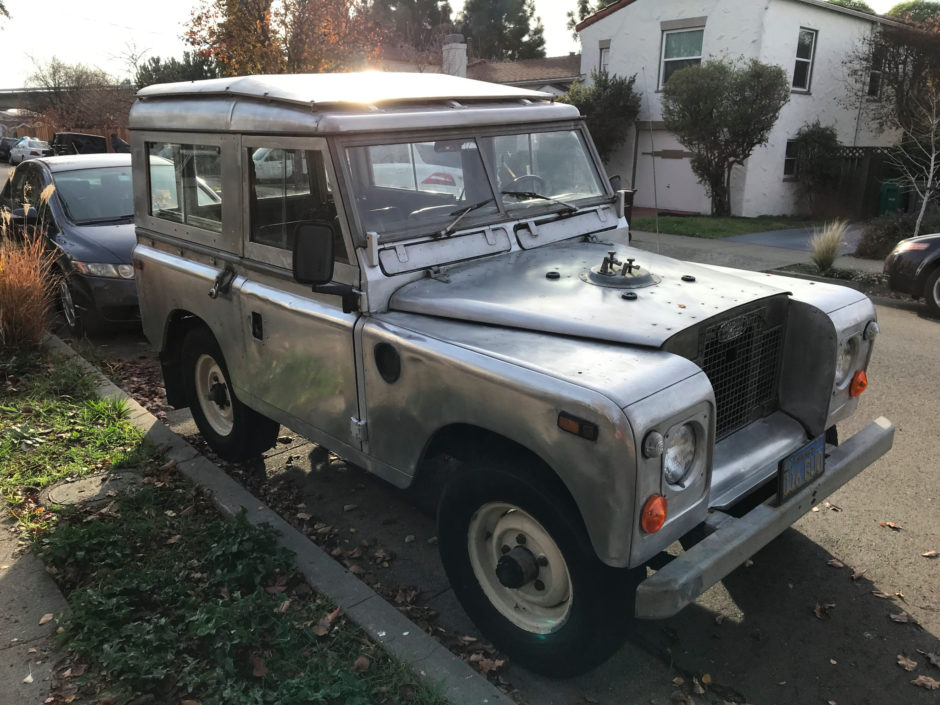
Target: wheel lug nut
539, 585
542, 561
505, 549
520, 538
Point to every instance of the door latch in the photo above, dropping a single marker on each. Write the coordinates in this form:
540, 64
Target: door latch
223, 282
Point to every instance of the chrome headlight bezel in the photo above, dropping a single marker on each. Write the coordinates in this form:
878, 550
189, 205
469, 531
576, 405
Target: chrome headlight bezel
846, 359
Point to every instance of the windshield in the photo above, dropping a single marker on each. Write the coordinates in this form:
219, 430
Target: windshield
419, 188
91, 195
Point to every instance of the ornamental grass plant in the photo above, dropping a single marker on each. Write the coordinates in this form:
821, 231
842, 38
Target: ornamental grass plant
826, 243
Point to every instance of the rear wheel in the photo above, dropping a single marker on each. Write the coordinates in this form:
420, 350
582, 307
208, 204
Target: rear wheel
932, 292
230, 428
521, 564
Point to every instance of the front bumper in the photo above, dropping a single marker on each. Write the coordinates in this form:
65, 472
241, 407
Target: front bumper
114, 299
732, 540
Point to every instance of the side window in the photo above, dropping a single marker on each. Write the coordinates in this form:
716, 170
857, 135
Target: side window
289, 187
17, 184
789, 160
805, 54
186, 184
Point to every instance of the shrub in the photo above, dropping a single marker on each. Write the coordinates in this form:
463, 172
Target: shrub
25, 295
825, 244
884, 232
817, 164
609, 105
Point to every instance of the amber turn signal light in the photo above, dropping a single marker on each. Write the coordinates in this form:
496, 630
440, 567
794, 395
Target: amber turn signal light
654, 514
859, 383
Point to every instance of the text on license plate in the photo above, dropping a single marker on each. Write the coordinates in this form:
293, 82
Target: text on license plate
800, 468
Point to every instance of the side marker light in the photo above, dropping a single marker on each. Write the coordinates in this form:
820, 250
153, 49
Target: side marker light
654, 514
859, 383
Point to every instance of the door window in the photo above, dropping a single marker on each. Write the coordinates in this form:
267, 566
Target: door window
186, 184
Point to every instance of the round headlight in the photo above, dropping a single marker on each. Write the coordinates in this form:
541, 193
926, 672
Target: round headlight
845, 359
126, 270
680, 453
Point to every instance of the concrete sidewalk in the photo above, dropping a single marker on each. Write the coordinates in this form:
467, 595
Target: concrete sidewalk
735, 252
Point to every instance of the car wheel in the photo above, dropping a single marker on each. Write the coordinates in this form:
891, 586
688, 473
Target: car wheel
79, 322
519, 560
230, 428
932, 292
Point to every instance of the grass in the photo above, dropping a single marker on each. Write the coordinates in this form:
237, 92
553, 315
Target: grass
709, 227
826, 243
169, 601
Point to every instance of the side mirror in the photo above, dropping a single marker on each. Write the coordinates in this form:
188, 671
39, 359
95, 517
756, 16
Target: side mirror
313, 254
615, 182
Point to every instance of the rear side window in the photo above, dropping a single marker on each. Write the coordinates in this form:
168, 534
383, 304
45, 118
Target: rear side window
186, 184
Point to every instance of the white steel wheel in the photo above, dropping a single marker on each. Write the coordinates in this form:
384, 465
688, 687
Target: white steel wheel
519, 567
67, 304
213, 395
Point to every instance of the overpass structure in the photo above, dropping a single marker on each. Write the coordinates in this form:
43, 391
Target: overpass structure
35, 98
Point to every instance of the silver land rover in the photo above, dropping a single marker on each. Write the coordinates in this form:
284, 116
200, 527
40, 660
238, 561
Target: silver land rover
432, 277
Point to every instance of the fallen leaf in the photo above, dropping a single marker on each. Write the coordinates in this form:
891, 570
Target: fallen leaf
190, 702
903, 618
467, 639
47, 617
933, 658
173, 539
168, 465
906, 663
833, 507
822, 610
259, 669
283, 607
678, 680
748, 563
361, 664
697, 687
706, 679
78, 669
880, 594
930, 554
350, 507
28, 679
719, 618
859, 573
900, 595
926, 682
681, 698
303, 516
326, 621
834, 563
833, 662
410, 538
891, 525
170, 513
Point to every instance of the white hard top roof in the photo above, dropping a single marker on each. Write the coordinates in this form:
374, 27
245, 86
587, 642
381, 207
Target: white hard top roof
367, 88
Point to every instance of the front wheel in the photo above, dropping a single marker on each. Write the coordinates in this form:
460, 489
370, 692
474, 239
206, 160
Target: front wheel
230, 428
521, 564
932, 292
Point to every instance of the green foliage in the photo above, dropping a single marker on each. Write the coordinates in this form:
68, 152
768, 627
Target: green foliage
503, 31
715, 227
884, 232
720, 111
817, 163
610, 105
916, 11
192, 68
854, 5
169, 601
584, 10
417, 24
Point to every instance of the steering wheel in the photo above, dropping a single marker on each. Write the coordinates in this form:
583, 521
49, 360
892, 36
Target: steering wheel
527, 182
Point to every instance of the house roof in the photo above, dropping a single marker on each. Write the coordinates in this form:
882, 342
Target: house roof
553, 68
824, 4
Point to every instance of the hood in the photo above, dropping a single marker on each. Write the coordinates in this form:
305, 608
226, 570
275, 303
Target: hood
111, 243
550, 289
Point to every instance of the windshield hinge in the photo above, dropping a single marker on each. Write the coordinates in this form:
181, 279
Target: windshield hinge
372, 248
358, 429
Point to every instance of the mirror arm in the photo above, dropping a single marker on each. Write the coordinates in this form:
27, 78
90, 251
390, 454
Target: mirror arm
348, 292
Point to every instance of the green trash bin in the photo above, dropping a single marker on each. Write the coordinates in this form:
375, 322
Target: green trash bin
891, 198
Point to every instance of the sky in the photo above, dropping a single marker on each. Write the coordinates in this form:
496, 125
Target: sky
103, 33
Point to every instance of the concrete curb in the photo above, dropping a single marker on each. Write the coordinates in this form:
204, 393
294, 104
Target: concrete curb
384, 624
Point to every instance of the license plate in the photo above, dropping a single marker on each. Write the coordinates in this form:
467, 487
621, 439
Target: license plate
800, 468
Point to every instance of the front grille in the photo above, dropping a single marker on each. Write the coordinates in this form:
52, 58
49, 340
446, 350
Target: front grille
741, 357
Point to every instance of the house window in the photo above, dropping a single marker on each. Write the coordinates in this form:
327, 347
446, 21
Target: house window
789, 160
681, 49
603, 59
805, 53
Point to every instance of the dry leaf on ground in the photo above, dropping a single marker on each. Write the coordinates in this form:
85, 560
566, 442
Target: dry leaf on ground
326, 621
903, 618
891, 525
835, 563
880, 594
859, 573
361, 664
906, 663
259, 668
822, 610
47, 617
930, 554
926, 682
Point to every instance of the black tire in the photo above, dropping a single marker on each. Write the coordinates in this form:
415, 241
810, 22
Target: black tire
600, 602
78, 321
249, 433
932, 292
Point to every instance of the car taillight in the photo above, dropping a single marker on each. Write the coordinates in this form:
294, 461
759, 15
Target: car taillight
440, 178
33, 153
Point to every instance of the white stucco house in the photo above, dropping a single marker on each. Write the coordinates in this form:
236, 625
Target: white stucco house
810, 39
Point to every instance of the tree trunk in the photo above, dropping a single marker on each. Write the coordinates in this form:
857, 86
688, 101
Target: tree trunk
720, 195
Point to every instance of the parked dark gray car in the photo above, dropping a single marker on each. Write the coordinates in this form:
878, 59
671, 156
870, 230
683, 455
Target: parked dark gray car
913, 267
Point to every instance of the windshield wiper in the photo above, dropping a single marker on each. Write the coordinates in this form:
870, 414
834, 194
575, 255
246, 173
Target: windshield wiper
460, 213
532, 194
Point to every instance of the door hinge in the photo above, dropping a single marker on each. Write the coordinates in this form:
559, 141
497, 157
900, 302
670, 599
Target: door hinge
358, 429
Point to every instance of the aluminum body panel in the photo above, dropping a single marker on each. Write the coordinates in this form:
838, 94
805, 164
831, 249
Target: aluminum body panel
363, 88
444, 383
748, 457
512, 290
735, 540
211, 114
409, 257
304, 361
